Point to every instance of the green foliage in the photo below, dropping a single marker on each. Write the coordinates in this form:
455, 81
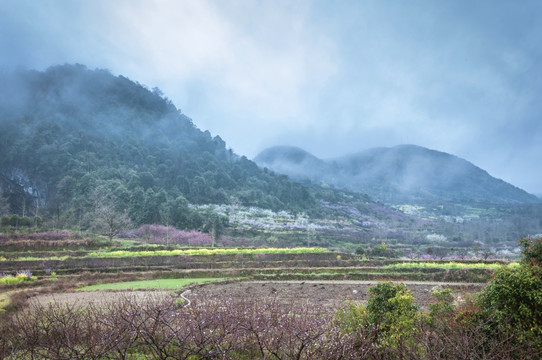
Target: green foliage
25, 221
14, 220
532, 250
360, 250
214, 224
351, 318
443, 307
514, 298
391, 308
382, 251
4, 204
17, 279
388, 300
130, 143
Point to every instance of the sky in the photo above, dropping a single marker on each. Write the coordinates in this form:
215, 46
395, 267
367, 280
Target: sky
331, 77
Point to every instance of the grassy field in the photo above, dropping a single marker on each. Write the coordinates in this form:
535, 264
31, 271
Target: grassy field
150, 284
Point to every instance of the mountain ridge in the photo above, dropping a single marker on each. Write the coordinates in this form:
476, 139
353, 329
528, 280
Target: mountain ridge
403, 173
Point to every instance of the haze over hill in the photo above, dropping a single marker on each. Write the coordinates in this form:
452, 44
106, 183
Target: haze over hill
73, 137
401, 174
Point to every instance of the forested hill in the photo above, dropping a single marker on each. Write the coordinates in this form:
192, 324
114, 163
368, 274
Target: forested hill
398, 175
72, 137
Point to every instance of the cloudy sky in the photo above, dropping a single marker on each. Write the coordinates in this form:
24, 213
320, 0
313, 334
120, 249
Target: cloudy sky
332, 77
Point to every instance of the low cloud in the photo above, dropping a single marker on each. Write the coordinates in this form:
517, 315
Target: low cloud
333, 78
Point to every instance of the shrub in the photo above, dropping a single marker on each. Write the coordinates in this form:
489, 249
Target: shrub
391, 308
514, 299
25, 221
532, 250
351, 318
360, 250
5, 221
21, 276
443, 307
14, 220
382, 251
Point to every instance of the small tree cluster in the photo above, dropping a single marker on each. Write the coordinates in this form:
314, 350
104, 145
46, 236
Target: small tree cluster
381, 251
513, 298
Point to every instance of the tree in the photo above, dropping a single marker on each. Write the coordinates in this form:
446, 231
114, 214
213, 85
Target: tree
513, 297
107, 219
214, 224
4, 205
532, 250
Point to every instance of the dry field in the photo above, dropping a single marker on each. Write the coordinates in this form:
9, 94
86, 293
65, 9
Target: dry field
329, 294
326, 293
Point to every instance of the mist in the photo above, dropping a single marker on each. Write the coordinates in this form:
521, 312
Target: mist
461, 77
405, 174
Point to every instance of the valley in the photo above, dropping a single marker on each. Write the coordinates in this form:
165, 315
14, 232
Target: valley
120, 219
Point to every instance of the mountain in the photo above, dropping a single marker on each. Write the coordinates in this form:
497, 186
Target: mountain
401, 174
296, 162
74, 137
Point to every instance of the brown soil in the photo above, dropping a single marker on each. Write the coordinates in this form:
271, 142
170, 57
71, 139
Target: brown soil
325, 293
329, 294
98, 297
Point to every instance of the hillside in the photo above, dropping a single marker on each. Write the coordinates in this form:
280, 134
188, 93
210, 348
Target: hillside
401, 174
73, 138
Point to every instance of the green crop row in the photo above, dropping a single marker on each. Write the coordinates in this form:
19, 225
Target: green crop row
219, 251
151, 284
448, 265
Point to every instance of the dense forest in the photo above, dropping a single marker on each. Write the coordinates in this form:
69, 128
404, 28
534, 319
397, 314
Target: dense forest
76, 140
85, 149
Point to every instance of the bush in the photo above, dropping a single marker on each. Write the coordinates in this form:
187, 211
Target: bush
14, 220
25, 221
443, 307
382, 251
351, 318
390, 320
360, 250
5, 221
532, 250
514, 298
21, 276
383, 304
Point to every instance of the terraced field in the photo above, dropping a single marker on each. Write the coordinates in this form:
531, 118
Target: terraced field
306, 274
